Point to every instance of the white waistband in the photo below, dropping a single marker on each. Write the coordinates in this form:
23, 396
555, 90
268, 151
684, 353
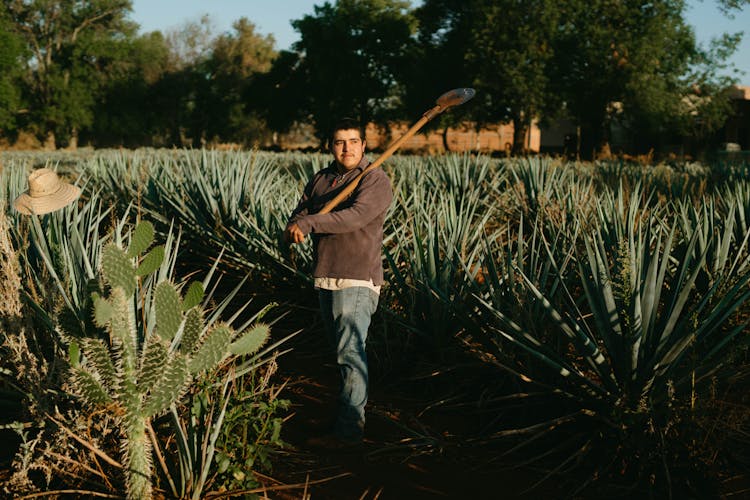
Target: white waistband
341, 283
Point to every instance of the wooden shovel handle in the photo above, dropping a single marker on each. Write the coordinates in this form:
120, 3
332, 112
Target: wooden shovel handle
452, 98
344, 194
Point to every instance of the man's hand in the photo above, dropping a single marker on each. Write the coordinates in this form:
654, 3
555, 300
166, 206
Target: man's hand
293, 234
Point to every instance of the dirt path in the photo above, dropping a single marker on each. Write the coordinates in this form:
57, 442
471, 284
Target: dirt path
401, 457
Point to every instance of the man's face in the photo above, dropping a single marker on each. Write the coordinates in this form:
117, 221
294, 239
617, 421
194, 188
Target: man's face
348, 148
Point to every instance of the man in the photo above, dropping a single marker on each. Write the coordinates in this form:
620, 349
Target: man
348, 268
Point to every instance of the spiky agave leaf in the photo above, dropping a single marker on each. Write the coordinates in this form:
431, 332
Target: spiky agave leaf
250, 341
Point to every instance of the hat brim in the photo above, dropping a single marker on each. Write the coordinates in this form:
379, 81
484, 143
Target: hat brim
65, 195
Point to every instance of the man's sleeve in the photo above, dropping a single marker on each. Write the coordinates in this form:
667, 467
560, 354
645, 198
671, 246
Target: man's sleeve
303, 207
372, 197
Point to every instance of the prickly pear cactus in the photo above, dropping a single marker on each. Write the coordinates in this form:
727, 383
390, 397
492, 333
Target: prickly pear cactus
141, 370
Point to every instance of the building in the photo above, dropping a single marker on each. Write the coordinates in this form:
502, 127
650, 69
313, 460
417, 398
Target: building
735, 135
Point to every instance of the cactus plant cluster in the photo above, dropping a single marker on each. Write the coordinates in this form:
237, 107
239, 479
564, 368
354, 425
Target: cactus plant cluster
145, 366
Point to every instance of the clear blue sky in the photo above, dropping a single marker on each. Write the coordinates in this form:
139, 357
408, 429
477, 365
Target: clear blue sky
272, 17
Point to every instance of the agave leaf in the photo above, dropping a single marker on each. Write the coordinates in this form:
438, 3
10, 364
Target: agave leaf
599, 296
729, 337
516, 335
652, 286
682, 287
586, 346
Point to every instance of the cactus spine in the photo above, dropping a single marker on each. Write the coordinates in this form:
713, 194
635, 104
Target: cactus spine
140, 372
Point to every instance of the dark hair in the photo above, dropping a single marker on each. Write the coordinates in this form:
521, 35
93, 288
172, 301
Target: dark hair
346, 124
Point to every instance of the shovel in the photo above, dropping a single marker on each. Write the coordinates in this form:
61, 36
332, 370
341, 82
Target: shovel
451, 98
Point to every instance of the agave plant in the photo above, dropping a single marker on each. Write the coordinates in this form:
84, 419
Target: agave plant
440, 241
737, 194
147, 365
535, 180
634, 338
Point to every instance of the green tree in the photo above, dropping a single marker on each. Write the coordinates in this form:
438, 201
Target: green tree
350, 61
279, 96
691, 110
438, 59
74, 46
131, 112
226, 107
628, 62
11, 50
511, 46
633, 63
178, 93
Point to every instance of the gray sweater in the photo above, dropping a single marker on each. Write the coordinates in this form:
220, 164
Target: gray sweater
347, 241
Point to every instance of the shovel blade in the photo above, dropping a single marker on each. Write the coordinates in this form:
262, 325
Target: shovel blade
455, 97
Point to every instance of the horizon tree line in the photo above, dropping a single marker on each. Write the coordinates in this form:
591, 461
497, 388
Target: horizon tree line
80, 72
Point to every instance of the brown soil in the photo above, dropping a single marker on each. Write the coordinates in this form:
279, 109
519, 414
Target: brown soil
403, 454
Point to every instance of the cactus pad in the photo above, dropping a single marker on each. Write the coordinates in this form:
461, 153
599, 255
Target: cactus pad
168, 310
151, 261
92, 392
154, 358
168, 388
143, 236
212, 351
99, 361
118, 269
191, 333
103, 311
250, 341
193, 296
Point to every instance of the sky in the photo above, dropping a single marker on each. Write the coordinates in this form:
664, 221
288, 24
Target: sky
272, 17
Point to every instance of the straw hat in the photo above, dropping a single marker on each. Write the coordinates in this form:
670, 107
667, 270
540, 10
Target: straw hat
46, 193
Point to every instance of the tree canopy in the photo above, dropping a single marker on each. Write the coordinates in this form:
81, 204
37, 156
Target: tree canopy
11, 49
80, 70
349, 62
74, 49
511, 48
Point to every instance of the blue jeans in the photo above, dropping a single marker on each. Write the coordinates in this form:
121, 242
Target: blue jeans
346, 314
